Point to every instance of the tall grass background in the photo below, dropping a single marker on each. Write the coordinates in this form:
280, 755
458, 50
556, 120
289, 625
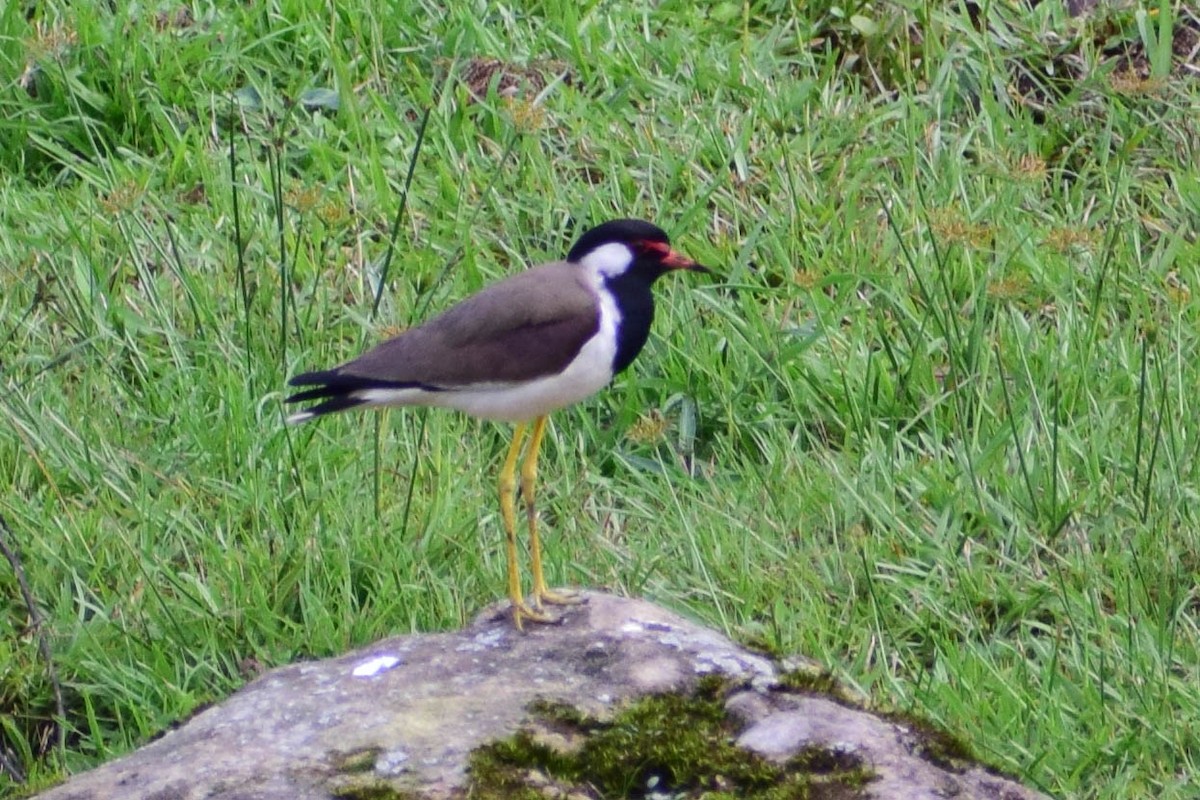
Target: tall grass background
932, 425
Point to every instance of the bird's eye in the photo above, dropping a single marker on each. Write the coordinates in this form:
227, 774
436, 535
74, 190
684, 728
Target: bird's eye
648, 247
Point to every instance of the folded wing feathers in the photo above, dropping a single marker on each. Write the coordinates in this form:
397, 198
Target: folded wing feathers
496, 336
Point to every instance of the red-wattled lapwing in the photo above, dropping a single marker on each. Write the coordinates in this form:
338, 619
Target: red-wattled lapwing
521, 348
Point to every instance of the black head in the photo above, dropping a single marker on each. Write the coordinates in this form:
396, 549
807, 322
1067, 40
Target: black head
625, 245
626, 256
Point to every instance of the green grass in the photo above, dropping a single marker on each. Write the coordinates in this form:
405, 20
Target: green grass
933, 425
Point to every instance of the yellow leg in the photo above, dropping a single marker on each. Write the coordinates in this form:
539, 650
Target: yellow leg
507, 484
541, 593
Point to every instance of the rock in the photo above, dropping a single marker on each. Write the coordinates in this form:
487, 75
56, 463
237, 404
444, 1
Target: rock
622, 693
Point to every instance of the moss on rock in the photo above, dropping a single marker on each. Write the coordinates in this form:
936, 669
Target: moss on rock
682, 744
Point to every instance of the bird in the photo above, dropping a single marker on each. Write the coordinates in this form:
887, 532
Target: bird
515, 351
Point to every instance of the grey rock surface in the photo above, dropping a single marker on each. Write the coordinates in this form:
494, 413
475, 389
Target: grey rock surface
405, 714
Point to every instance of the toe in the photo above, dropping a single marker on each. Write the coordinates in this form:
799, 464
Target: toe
566, 598
523, 613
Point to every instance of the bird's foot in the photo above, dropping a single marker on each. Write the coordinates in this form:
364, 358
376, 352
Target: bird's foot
566, 598
522, 612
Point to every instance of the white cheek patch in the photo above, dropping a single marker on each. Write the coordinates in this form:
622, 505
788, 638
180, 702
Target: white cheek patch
608, 260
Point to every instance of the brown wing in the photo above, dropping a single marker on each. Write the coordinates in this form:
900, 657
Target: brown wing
525, 327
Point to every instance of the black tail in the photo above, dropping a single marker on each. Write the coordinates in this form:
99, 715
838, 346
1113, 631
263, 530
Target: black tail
338, 392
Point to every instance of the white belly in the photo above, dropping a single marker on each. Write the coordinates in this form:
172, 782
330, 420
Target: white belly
517, 402
588, 374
